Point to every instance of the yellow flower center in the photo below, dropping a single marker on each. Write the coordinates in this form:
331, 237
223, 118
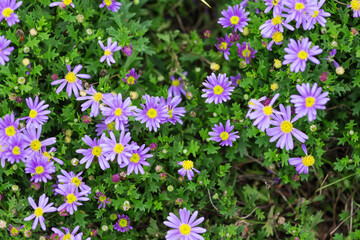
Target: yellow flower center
302, 55
76, 181
107, 52
246, 52
66, 237
308, 160
309, 101
188, 164
96, 151
151, 113
224, 136
268, 110
218, 90
275, 2
176, 83
35, 145
135, 158
274, 86
170, 112
47, 155
278, 37
67, 2
10, 131
33, 113
102, 198
111, 125
286, 127
108, 2
97, 97
118, 148
185, 229
234, 20
299, 6
277, 20
316, 13
7, 12
355, 5
70, 198
223, 46
14, 231
39, 170
118, 112
16, 150
277, 63
39, 212
130, 80
70, 77
123, 222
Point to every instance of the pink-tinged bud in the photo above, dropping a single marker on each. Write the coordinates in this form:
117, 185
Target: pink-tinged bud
93, 232
266, 101
163, 176
354, 31
55, 236
127, 50
324, 76
158, 168
63, 213
189, 95
86, 119
13, 96
296, 177
27, 233
193, 114
181, 179
153, 146
264, 44
54, 76
35, 186
18, 99
234, 37
179, 201
115, 178
207, 33
62, 6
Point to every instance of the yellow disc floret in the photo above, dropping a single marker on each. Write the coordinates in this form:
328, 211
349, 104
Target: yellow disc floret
130, 80
71, 198
97, 97
35, 145
151, 113
316, 13
176, 83
185, 229
223, 46
66, 237
278, 37
76, 181
299, 6
218, 90
107, 52
224, 136
309, 101
277, 20
70, 77
135, 158
308, 160
123, 222
39, 170
268, 110
67, 2
16, 150
10, 131
286, 127
118, 148
7, 12
108, 2
355, 5
39, 212
33, 113
96, 151
234, 20
303, 55
188, 164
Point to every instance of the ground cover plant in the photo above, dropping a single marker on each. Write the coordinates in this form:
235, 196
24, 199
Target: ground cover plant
179, 119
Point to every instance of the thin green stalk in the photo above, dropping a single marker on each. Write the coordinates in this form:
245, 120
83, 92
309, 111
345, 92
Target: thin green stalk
341, 179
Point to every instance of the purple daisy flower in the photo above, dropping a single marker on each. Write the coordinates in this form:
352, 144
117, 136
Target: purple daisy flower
263, 114
31, 138
40, 167
284, 129
108, 51
93, 100
71, 178
117, 110
234, 16
274, 25
72, 197
223, 45
318, 17
309, 101
299, 10
8, 127
131, 77
299, 52
40, 209
64, 2
153, 112
38, 114
277, 38
218, 89
127, 50
121, 148
15, 150
245, 51
74, 84
278, 6
49, 155
95, 151
7, 8
5, 51
223, 135
102, 199
235, 80
68, 235
185, 227
14, 231
123, 224
137, 160
187, 169
175, 113
101, 127
111, 5
331, 56
302, 164
355, 6
176, 88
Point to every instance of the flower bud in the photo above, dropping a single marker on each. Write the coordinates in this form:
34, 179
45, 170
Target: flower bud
33, 32
197, 69
189, 95
324, 76
281, 220
21, 80
103, 73
15, 188
170, 188
193, 114
86, 119
153, 146
313, 128
242, 64
115, 178
246, 31
42, 238
104, 227
74, 161
26, 50
334, 44
214, 66
164, 151
340, 70
163, 176
179, 201
35, 186
354, 31
234, 37
67, 139
207, 34
323, 30
277, 63
113, 216
83, 93
274, 86
351, 132
62, 6
134, 95
25, 61
19, 33
93, 232
158, 168
185, 151
80, 18
2, 224
89, 31
27, 233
